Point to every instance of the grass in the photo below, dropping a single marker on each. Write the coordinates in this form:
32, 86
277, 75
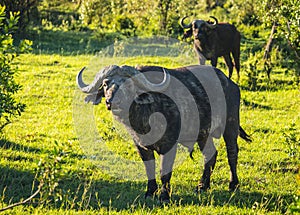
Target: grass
43, 144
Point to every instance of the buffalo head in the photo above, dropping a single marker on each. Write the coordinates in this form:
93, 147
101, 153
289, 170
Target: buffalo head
200, 29
125, 80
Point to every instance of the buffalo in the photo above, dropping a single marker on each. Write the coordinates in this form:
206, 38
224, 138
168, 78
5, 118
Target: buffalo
162, 107
213, 40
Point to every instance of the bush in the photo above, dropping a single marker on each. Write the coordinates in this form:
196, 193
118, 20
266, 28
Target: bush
96, 13
27, 11
9, 107
124, 25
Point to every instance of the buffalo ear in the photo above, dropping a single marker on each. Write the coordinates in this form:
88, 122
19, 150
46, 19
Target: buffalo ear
145, 98
207, 30
188, 33
95, 98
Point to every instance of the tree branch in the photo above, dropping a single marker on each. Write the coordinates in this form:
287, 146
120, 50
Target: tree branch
290, 43
270, 42
24, 201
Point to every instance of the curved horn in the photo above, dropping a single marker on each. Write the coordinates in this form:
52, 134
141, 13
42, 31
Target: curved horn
214, 25
184, 25
96, 84
216, 20
79, 80
141, 81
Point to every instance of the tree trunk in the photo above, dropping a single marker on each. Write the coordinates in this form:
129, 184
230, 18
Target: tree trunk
270, 42
290, 43
267, 60
164, 6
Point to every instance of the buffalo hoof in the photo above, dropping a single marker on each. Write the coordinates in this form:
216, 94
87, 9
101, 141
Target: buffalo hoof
233, 186
152, 189
150, 194
201, 188
164, 198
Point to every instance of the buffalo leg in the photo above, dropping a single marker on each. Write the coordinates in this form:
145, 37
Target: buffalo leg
230, 138
214, 61
167, 162
202, 60
229, 64
209, 152
236, 57
201, 57
149, 163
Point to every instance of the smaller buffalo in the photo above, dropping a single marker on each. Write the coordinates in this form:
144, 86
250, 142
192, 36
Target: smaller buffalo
213, 40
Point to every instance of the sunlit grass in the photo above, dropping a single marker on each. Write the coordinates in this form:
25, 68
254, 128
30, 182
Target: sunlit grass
267, 172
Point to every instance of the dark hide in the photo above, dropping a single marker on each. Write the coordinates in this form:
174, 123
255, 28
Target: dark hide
168, 108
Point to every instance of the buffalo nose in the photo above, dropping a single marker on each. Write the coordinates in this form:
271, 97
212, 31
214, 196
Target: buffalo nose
108, 104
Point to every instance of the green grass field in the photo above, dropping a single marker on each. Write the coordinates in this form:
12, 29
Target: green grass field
42, 144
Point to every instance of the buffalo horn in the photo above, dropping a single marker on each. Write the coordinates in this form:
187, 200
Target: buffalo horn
214, 24
184, 25
141, 81
160, 87
96, 84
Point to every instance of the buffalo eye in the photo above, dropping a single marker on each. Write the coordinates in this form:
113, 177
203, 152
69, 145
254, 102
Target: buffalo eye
105, 83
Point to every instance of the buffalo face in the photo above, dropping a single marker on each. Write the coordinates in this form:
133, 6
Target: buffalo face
118, 85
200, 29
110, 87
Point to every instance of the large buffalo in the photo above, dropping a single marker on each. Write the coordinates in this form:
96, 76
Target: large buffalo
163, 107
213, 40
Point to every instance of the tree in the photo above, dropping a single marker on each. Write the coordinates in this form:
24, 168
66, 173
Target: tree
9, 106
25, 8
286, 15
164, 7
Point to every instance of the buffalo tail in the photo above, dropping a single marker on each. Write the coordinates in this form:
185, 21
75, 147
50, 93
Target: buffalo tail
244, 135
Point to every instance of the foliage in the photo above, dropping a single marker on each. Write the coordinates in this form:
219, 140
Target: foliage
146, 17
27, 9
52, 173
114, 20
295, 207
125, 26
9, 106
286, 15
243, 12
293, 142
96, 12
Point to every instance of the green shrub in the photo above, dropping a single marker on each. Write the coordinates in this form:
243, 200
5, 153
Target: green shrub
27, 11
124, 25
9, 106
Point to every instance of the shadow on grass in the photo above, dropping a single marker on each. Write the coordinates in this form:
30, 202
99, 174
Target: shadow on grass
239, 199
69, 42
273, 85
116, 195
126, 195
71, 192
78, 189
15, 184
252, 104
6, 144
